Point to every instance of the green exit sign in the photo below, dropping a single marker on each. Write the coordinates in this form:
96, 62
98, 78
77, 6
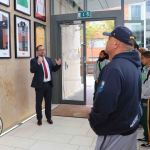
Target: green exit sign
84, 14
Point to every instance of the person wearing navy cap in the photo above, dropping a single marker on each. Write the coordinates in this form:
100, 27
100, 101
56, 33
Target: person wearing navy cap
116, 112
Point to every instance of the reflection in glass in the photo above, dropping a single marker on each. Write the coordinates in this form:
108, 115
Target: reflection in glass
72, 68
68, 6
135, 19
96, 42
3, 32
148, 24
4, 35
23, 36
103, 5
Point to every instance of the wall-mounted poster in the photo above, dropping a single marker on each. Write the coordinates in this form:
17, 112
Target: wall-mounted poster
5, 2
4, 34
23, 6
40, 9
22, 37
39, 35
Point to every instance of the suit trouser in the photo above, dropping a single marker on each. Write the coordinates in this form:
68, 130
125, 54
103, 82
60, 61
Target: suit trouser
117, 142
43, 92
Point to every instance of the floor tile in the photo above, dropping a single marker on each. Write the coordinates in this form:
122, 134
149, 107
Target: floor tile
52, 137
86, 148
16, 141
52, 146
2, 147
82, 140
65, 134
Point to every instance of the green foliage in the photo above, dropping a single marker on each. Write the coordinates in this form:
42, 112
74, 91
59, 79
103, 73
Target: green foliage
95, 29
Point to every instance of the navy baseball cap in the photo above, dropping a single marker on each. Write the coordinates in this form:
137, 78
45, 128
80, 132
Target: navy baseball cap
121, 33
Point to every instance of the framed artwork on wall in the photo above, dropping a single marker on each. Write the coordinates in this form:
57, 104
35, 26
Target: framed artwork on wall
40, 9
22, 37
4, 34
39, 35
5, 2
23, 6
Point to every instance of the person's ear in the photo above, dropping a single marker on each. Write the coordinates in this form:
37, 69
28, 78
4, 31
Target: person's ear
115, 44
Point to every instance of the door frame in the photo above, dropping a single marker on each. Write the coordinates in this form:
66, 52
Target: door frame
55, 36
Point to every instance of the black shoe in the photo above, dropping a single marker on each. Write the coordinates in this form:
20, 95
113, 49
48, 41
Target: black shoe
145, 145
39, 122
50, 121
142, 140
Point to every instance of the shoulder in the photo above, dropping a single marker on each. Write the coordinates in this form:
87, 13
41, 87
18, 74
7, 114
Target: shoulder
48, 58
33, 59
112, 69
113, 65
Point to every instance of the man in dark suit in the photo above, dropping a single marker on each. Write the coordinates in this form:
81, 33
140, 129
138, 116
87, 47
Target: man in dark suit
42, 67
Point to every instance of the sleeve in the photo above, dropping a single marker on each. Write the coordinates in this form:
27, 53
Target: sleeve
34, 66
146, 89
55, 67
107, 96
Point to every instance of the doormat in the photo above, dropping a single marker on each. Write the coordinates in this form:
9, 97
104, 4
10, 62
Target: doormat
78, 111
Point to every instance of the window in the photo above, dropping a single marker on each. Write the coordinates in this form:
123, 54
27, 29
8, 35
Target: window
148, 5
135, 12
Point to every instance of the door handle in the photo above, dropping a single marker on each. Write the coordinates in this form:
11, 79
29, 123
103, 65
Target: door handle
66, 65
84, 60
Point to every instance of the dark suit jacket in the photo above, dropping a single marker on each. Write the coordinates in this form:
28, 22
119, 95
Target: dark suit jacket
37, 69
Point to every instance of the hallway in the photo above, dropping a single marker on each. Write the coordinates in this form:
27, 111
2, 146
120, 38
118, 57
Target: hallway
65, 134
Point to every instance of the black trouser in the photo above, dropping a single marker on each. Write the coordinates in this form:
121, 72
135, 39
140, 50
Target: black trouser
46, 93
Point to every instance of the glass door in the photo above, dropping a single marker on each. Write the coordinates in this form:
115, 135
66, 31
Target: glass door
73, 63
96, 42
69, 41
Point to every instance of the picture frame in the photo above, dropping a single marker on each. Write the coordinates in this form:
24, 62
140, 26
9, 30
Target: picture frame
22, 37
5, 2
39, 35
5, 44
40, 9
23, 6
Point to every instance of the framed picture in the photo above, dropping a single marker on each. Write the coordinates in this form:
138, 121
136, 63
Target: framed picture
4, 34
23, 6
39, 35
5, 2
22, 37
40, 9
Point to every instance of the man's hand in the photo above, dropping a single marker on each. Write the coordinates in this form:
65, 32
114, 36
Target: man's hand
40, 59
58, 61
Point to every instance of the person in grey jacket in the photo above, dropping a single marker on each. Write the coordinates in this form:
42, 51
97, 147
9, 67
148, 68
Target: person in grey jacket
145, 120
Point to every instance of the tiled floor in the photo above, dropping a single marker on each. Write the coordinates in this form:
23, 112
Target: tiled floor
65, 134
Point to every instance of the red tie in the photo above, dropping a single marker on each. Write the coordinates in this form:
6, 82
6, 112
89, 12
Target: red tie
45, 70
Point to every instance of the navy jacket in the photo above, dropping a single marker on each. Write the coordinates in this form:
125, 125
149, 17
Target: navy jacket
116, 110
37, 69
